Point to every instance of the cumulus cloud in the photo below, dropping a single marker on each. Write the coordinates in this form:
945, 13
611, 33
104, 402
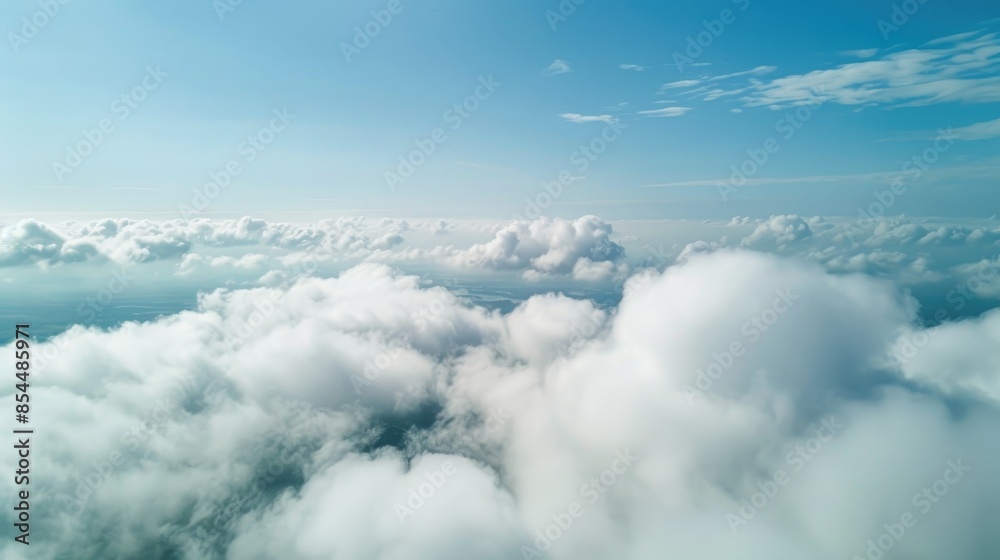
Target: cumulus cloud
126, 241
958, 358
738, 405
777, 232
32, 242
545, 246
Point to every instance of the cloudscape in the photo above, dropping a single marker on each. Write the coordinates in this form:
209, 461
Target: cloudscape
569, 279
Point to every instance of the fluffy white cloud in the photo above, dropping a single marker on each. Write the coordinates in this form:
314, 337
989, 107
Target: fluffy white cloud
737, 405
778, 232
31, 242
958, 358
389, 509
130, 241
546, 246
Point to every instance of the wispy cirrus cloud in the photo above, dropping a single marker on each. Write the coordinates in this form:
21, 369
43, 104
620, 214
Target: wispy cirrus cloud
979, 131
584, 119
758, 71
680, 84
633, 67
959, 68
984, 170
860, 53
858, 177
666, 112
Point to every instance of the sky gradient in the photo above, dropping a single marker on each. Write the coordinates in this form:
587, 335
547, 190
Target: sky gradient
685, 115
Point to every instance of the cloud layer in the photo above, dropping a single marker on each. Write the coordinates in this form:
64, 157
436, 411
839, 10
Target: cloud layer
737, 405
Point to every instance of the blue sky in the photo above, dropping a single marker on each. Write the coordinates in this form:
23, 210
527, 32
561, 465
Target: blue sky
225, 76
205, 220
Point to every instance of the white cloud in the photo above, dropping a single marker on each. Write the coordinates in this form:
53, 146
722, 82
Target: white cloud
713, 94
143, 241
666, 112
680, 84
583, 119
557, 67
861, 53
956, 69
468, 516
959, 358
544, 246
777, 232
979, 131
758, 71
882, 177
590, 271
191, 261
633, 67
553, 404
